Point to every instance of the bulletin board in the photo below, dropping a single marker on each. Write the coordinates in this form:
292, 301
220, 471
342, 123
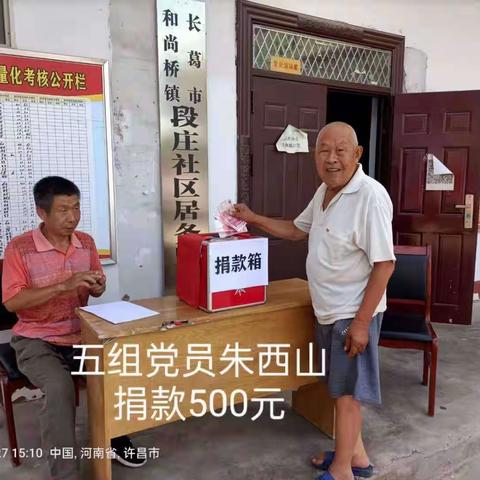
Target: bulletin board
55, 120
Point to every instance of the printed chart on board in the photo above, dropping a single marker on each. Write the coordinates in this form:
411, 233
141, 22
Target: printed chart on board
52, 122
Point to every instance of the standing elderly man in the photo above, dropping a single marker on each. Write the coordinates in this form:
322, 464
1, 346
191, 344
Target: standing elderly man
350, 260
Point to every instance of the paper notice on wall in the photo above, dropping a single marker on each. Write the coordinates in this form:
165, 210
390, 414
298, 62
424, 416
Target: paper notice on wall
293, 140
438, 177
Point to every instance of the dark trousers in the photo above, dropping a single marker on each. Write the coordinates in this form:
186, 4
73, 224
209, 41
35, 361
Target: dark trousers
48, 367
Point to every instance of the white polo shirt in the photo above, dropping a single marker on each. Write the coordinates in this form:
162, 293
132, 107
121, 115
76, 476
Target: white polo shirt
345, 240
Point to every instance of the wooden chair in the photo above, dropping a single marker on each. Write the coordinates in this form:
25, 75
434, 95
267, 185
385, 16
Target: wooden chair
11, 379
406, 323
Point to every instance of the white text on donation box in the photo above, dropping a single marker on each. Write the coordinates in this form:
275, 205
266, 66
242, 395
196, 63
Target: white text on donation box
236, 264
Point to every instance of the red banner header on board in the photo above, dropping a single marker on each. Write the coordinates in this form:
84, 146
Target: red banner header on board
19, 74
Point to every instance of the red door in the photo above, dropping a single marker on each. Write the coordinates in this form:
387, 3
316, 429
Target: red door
284, 183
447, 125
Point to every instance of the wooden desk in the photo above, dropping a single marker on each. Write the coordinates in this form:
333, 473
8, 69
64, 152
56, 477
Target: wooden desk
286, 318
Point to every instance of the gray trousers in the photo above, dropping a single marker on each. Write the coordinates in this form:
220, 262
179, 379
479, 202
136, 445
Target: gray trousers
358, 376
48, 367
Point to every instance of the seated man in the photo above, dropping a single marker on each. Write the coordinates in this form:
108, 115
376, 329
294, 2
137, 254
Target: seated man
47, 273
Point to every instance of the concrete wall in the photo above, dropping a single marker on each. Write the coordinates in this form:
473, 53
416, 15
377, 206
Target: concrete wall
442, 44
222, 103
434, 60
441, 37
136, 147
122, 32
446, 31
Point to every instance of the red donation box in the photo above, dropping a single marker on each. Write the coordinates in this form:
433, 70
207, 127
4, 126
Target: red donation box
220, 273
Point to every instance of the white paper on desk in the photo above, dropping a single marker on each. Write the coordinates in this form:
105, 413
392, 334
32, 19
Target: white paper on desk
120, 312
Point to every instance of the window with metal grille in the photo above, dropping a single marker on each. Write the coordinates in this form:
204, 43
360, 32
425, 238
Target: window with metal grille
323, 58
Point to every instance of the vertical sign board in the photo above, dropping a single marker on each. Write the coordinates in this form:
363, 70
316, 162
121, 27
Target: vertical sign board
183, 122
55, 120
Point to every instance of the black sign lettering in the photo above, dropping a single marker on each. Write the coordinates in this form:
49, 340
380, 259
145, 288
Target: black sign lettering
254, 261
172, 93
183, 165
170, 19
194, 59
184, 209
195, 95
186, 228
184, 116
222, 265
171, 68
193, 22
238, 263
183, 140
170, 42
184, 187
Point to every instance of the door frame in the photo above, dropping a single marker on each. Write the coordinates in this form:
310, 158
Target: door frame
249, 14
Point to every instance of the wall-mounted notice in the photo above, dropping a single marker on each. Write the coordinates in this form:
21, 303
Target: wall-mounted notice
438, 177
292, 140
54, 120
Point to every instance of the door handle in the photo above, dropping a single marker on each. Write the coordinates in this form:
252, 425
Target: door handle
468, 214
